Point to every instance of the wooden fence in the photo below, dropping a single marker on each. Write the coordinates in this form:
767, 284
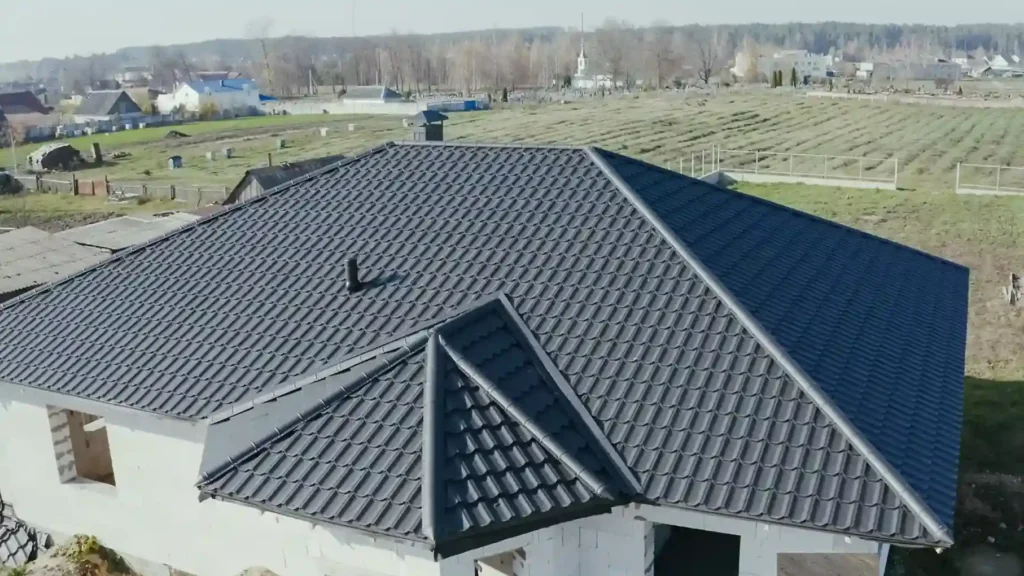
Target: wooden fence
186, 193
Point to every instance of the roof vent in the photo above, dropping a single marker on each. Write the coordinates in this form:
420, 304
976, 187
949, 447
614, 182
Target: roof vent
352, 270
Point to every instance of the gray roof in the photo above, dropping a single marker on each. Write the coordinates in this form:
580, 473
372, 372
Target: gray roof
104, 103
476, 432
270, 177
740, 357
427, 117
30, 257
120, 233
371, 93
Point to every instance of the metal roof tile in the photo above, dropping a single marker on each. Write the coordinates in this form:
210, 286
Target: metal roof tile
648, 254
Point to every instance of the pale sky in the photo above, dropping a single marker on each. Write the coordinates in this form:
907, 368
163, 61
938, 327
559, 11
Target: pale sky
75, 26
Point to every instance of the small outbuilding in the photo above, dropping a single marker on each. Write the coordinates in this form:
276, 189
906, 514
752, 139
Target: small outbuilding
258, 180
55, 157
428, 126
174, 162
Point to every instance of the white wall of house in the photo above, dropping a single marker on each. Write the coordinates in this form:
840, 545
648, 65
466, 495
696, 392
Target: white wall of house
806, 64
193, 101
154, 514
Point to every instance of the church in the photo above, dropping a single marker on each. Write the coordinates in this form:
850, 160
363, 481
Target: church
584, 79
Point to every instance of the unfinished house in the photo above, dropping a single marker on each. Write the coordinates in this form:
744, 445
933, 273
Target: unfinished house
444, 360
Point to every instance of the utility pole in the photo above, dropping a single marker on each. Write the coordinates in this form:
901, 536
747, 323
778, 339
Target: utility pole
14, 154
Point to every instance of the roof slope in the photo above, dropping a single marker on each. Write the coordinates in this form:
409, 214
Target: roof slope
462, 437
106, 103
703, 406
876, 304
30, 257
371, 93
225, 85
23, 102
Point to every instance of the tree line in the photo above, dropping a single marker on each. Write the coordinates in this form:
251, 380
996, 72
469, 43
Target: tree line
656, 55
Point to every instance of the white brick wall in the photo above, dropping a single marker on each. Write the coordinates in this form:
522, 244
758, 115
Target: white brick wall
154, 514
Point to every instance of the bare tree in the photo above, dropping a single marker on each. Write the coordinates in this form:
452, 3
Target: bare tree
658, 39
259, 29
707, 56
612, 46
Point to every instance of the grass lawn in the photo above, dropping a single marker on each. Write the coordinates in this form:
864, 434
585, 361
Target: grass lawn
986, 234
54, 212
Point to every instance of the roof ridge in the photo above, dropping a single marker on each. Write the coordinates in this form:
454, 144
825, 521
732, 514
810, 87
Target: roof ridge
799, 213
118, 256
470, 144
361, 356
540, 356
511, 408
313, 410
910, 497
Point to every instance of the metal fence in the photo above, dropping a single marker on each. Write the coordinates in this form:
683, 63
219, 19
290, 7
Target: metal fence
989, 179
791, 164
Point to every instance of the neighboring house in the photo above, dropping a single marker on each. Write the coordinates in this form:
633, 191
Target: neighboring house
238, 95
215, 76
925, 70
130, 76
1004, 66
377, 94
144, 97
30, 257
538, 361
808, 66
107, 105
24, 108
256, 181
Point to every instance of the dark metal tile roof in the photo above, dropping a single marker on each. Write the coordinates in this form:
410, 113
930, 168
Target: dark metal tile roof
859, 314
464, 435
699, 396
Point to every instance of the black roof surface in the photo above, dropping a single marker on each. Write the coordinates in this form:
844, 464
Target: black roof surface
740, 357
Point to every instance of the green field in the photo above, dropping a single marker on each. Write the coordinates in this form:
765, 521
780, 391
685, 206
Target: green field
928, 141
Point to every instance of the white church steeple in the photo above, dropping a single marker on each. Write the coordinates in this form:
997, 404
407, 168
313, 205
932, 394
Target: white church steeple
581, 62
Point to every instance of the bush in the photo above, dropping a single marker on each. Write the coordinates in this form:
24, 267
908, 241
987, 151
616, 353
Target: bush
208, 111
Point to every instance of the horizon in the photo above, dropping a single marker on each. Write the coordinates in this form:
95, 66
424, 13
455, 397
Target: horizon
64, 38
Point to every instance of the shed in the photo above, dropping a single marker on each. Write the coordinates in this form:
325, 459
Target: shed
428, 117
372, 94
174, 162
428, 126
258, 180
55, 157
